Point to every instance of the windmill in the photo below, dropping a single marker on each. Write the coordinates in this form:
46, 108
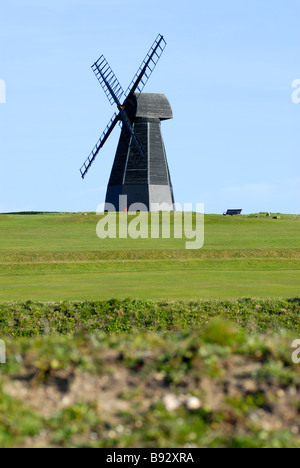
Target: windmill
140, 169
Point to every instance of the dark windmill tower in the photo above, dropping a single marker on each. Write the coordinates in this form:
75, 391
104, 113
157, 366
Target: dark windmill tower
140, 169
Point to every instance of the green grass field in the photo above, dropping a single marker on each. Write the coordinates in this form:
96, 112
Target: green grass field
200, 356
54, 257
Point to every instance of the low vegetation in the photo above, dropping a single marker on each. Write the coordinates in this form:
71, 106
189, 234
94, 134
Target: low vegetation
217, 388
144, 374
34, 318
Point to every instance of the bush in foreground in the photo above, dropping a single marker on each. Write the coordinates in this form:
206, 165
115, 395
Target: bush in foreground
34, 318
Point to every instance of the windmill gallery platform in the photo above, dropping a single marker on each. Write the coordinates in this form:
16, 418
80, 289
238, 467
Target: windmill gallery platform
144, 180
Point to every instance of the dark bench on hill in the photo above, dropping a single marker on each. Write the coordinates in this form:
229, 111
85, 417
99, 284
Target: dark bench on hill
232, 212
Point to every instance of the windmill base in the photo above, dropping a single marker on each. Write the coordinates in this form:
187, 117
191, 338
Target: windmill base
150, 198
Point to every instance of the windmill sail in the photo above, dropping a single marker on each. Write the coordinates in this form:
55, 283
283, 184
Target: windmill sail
127, 122
145, 71
114, 92
108, 80
86, 166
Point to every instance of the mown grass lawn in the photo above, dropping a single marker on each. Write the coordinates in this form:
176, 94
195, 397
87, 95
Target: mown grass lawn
59, 257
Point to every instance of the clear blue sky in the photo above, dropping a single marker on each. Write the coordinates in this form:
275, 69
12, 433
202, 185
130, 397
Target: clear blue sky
227, 72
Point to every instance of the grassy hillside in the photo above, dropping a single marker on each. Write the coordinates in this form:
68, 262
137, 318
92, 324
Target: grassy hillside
52, 257
200, 356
